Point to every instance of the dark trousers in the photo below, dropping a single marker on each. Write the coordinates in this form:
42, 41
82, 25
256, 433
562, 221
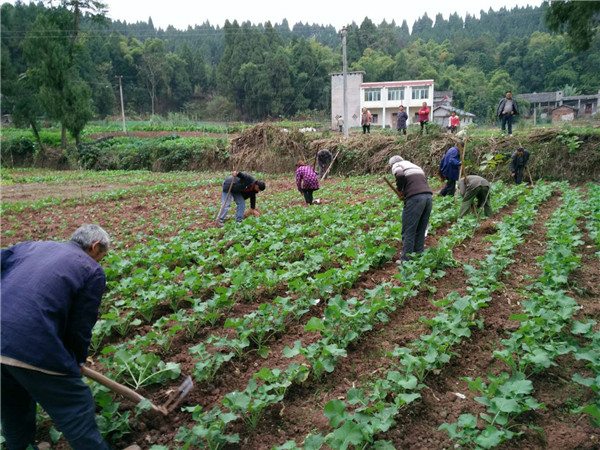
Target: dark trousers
323, 166
519, 175
507, 119
67, 399
308, 195
449, 189
366, 129
424, 126
415, 217
402, 130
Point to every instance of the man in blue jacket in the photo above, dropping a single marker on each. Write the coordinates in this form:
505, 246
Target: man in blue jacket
244, 186
51, 292
450, 169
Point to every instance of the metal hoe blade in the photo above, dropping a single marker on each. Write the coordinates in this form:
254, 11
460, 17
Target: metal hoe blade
177, 396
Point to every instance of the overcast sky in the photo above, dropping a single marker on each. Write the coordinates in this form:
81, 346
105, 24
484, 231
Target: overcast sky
181, 13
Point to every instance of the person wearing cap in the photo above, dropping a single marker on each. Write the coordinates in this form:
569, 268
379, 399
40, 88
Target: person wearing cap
471, 188
51, 293
518, 162
412, 184
307, 181
450, 169
244, 187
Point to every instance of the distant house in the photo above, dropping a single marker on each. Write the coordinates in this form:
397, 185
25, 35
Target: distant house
585, 104
382, 99
441, 116
543, 102
442, 98
546, 102
563, 113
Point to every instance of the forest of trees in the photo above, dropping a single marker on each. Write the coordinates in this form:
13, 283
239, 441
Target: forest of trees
62, 63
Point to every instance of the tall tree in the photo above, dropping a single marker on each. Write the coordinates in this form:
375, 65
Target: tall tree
153, 67
579, 20
51, 69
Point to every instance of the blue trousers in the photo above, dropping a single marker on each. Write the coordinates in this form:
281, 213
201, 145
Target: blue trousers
67, 399
415, 217
507, 119
240, 206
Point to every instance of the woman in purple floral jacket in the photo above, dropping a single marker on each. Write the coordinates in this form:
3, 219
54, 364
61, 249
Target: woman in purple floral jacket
306, 180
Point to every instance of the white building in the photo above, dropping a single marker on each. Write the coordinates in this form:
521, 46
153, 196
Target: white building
382, 99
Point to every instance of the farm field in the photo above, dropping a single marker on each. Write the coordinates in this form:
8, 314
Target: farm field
300, 331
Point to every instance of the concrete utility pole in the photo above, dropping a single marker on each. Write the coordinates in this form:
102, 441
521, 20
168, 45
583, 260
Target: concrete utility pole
345, 72
122, 105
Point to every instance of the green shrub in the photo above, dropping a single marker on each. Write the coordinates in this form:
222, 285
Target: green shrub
19, 151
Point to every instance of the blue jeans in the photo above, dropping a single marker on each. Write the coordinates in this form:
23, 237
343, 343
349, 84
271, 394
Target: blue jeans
507, 119
240, 206
67, 399
415, 217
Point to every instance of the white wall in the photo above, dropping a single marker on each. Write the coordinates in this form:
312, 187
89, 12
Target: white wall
354, 80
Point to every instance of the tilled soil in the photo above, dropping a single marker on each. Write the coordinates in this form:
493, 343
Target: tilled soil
301, 412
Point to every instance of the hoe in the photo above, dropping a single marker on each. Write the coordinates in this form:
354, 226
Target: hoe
171, 403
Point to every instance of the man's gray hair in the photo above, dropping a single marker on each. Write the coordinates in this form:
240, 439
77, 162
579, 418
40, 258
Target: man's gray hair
89, 233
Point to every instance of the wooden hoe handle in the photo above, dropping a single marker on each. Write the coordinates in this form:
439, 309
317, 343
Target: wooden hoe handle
116, 387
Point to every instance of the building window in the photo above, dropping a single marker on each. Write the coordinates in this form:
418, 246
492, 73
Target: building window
396, 94
374, 119
420, 92
372, 95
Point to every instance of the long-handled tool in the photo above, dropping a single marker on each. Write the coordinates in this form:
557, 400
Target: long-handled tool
226, 199
529, 173
462, 163
393, 188
174, 399
331, 164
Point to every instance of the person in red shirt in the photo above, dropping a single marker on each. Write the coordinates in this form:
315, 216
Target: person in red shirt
424, 116
454, 122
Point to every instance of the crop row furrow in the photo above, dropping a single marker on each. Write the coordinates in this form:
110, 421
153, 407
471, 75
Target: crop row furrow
371, 309
541, 338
